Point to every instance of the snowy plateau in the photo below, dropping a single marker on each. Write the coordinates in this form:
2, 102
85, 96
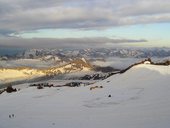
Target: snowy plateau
138, 98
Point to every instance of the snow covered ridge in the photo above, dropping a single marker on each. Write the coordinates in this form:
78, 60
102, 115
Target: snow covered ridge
24, 73
164, 70
147, 61
138, 98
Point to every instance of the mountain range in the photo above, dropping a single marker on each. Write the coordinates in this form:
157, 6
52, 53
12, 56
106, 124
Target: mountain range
67, 54
8, 75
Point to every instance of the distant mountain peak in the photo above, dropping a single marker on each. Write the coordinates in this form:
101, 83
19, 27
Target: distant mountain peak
27, 73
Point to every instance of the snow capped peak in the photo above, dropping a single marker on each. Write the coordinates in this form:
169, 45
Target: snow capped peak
83, 59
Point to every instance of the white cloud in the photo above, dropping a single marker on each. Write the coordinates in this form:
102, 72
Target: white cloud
26, 15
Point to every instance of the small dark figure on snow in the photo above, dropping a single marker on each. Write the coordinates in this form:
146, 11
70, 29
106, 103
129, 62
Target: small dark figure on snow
109, 96
40, 87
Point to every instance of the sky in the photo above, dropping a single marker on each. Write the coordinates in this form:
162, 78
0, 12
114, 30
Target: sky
84, 23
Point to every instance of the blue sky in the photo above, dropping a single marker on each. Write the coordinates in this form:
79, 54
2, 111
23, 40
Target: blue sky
157, 34
143, 23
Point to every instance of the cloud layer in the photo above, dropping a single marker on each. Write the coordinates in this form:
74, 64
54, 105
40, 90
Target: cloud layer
98, 42
28, 15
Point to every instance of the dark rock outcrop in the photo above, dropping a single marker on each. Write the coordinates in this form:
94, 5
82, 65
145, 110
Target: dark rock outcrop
10, 89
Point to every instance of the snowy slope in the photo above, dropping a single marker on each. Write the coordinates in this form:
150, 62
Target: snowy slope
139, 99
